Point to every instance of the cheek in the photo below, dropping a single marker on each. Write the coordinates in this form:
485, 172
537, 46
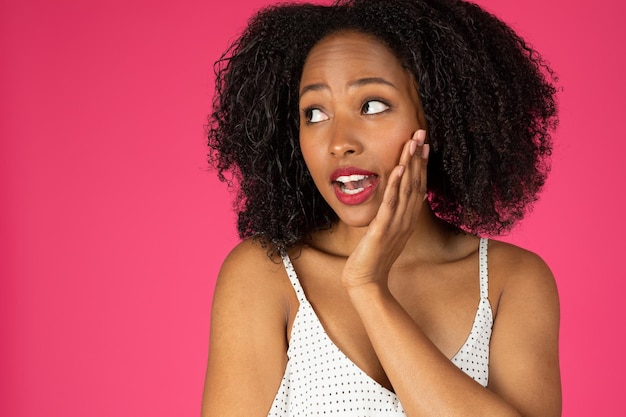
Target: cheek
309, 154
305, 151
393, 138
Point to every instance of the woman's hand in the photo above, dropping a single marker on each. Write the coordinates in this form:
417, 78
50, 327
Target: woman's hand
396, 219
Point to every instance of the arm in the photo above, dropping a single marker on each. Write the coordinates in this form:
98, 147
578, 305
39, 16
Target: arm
524, 362
524, 366
247, 352
524, 372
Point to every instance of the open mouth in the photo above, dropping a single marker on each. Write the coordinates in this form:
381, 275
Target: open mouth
354, 184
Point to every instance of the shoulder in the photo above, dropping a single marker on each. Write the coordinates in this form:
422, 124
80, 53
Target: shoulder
247, 348
524, 354
517, 263
515, 258
520, 275
250, 259
249, 276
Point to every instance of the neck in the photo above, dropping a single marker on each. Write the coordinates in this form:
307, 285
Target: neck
428, 240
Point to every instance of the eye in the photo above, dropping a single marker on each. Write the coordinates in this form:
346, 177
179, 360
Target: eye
374, 107
313, 115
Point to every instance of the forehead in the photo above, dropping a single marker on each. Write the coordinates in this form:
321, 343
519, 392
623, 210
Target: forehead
352, 54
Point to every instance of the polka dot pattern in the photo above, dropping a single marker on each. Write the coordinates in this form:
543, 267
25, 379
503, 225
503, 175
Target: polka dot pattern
320, 380
473, 357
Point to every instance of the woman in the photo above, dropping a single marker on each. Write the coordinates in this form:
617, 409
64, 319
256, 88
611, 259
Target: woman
373, 142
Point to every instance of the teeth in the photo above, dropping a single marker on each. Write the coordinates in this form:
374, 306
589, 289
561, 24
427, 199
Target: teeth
350, 178
351, 192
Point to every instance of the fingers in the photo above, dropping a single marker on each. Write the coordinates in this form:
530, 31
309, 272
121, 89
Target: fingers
406, 190
397, 216
423, 170
423, 151
397, 178
413, 184
410, 148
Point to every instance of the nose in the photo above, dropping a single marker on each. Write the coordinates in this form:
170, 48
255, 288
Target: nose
345, 138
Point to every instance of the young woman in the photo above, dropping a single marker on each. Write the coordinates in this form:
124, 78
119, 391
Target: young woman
373, 142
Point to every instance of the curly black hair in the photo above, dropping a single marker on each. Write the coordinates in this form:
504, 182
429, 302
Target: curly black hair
488, 99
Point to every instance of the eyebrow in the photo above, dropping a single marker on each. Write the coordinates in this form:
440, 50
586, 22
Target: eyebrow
353, 84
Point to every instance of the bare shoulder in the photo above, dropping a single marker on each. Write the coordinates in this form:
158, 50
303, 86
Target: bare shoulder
251, 286
524, 359
247, 347
252, 293
249, 271
516, 258
514, 271
251, 258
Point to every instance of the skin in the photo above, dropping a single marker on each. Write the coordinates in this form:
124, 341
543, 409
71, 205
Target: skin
395, 288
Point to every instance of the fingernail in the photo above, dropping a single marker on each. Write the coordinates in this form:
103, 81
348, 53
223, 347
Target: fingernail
412, 147
425, 151
420, 136
401, 171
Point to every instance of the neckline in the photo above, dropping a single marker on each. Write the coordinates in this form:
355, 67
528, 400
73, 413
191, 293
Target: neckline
331, 342
303, 300
306, 304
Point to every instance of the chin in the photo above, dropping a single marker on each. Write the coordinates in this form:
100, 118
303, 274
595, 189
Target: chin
362, 219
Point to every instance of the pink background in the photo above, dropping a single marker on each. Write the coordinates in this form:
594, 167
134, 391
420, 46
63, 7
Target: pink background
112, 230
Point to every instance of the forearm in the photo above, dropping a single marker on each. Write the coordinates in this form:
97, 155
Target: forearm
427, 382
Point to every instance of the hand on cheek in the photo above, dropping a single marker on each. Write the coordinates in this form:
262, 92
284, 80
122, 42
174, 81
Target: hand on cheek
396, 219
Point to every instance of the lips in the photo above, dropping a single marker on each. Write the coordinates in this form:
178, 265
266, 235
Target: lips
353, 185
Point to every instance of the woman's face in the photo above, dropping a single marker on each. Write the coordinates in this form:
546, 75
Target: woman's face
358, 107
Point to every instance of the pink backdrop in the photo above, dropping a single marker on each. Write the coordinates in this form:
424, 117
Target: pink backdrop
112, 231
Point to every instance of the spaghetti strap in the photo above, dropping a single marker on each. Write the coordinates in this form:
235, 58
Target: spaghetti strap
291, 272
484, 273
320, 379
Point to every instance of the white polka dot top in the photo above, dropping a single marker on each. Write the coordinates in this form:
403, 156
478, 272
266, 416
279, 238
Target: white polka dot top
320, 380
